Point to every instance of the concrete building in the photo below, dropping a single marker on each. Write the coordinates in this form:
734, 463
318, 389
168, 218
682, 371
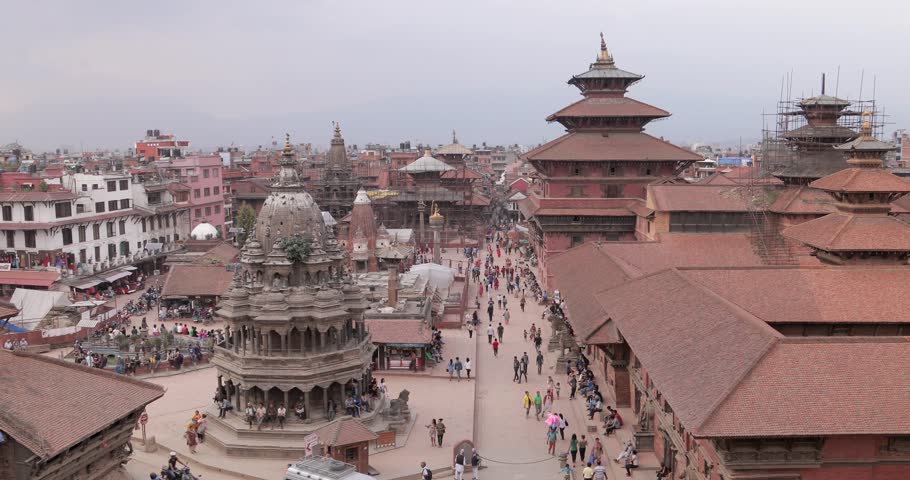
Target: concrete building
156, 146
202, 174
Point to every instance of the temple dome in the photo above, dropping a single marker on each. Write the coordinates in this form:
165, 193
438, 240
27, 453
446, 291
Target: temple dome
204, 231
286, 214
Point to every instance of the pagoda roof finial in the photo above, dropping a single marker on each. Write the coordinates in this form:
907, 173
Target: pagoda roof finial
604, 57
337, 125
454, 138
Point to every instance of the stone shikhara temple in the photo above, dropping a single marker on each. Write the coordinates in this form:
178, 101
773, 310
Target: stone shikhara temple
295, 330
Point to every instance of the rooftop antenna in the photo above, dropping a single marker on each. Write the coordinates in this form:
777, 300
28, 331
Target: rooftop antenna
862, 76
823, 83
837, 81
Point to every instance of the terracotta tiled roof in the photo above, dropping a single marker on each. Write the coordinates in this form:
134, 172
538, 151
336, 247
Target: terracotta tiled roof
901, 205
345, 432
597, 212
579, 273
222, 254
454, 149
695, 345
802, 200
812, 294
8, 310
48, 405
842, 232
609, 107
716, 179
398, 331
30, 278
817, 388
461, 173
36, 196
196, 280
617, 146
862, 180
700, 198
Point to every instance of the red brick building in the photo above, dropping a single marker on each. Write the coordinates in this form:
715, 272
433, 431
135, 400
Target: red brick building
592, 179
156, 145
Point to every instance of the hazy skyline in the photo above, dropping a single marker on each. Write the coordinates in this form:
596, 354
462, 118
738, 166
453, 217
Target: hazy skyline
100, 74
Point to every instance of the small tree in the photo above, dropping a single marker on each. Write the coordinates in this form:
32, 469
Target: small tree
246, 218
42, 186
297, 248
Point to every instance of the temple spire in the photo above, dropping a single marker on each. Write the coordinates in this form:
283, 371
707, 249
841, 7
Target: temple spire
337, 125
604, 57
288, 151
454, 138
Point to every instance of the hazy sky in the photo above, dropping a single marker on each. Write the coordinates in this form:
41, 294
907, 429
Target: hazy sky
100, 73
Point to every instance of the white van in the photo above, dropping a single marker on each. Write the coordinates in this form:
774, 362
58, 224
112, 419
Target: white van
323, 468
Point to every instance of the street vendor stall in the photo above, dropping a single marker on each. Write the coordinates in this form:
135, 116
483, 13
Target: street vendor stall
400, 344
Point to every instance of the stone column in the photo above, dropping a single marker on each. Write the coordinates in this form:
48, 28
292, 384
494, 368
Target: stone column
322, 340
286, 394
268, 343
325, 400
236, 341
306, 405
238, 405
284, 344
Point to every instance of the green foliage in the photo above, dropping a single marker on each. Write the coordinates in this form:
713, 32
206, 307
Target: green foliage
42, 186
297, 248
246, 218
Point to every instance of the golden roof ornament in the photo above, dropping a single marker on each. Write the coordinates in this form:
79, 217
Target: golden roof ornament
287, 145
604, 55
866, 129
436, 216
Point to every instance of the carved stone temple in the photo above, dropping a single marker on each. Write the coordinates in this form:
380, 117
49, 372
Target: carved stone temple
295, 329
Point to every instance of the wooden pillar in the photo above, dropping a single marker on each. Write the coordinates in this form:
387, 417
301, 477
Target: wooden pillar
238, 407
285, 347
306, 404
322, 340
268, 343
286, 395
325, 400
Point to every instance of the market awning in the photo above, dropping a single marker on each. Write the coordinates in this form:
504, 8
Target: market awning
130, 268
83, 283
116, 275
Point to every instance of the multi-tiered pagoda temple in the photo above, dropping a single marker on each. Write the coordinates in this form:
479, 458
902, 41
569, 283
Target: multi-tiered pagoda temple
592, 179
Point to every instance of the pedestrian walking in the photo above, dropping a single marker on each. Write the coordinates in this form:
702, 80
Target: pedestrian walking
573, 384
490, 332
526, 335
516, 365
475, 464
600, 472
425, 472
190, 436
459, 465
440, 432
506, 315
521, 303
432, 429
450, 369
562, 427
526, 402
588, 472
470, 331
538, 405
551, 441
495, 348
500, 330
582, 448
282, 415
539, 362
467, 366
458, 367
557, 390
573, 448
490, 310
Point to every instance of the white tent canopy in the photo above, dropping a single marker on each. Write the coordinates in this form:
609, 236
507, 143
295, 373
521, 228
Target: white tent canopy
437, 275
34, 305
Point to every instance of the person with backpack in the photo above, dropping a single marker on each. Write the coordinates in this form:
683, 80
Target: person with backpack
425, 472
475, 464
